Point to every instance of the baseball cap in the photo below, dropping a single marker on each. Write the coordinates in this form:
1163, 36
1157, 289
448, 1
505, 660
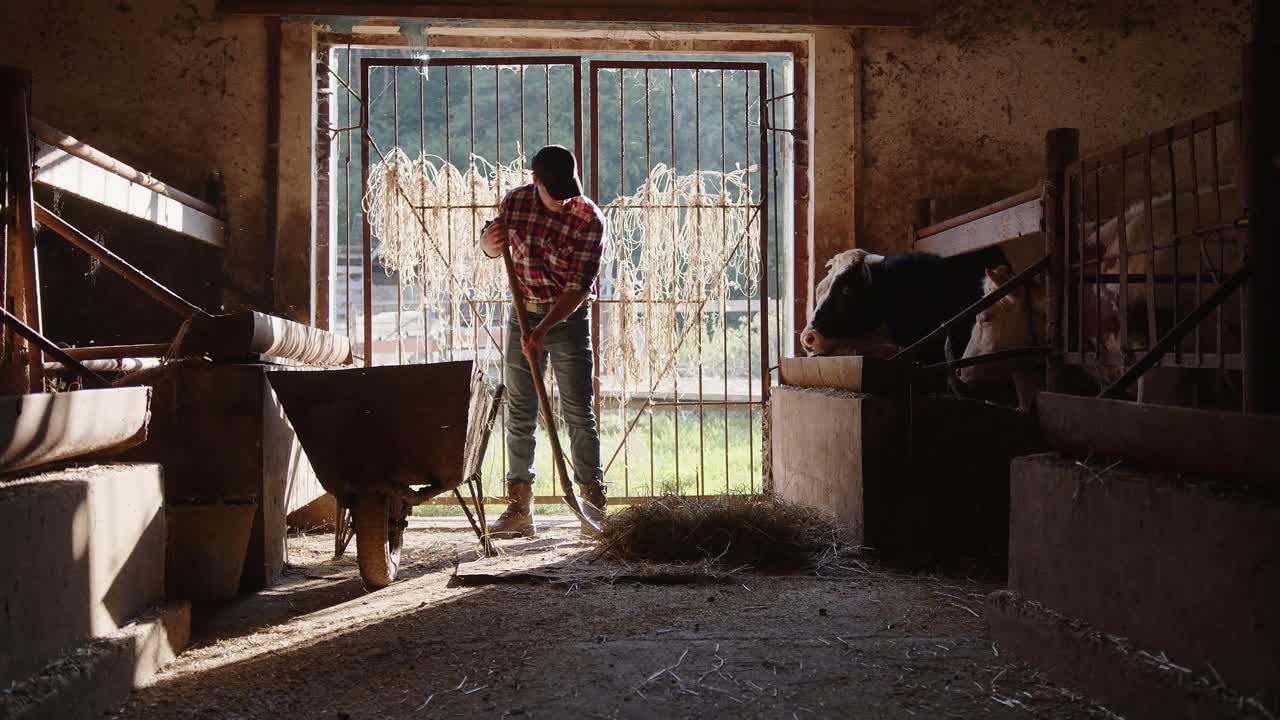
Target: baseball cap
556, 167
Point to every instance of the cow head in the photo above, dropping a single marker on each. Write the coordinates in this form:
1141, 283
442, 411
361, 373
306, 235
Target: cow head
1013, 321
846, 304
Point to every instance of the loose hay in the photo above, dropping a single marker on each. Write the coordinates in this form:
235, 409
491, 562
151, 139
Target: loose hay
734, 530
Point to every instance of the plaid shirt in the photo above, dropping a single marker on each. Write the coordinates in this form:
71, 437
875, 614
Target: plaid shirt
554, 252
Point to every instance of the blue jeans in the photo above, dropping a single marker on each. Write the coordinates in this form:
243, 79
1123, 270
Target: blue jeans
569, 346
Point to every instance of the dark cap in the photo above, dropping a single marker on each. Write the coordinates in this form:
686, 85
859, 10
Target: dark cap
556, 167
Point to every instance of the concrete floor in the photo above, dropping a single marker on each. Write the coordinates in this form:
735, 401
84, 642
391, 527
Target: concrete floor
856, 643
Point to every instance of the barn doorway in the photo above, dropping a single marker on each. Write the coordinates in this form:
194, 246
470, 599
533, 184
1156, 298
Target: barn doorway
689, 158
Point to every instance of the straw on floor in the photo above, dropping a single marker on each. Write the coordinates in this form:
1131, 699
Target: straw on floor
732, 530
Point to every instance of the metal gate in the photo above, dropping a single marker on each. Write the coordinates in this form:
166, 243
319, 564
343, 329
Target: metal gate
443, 138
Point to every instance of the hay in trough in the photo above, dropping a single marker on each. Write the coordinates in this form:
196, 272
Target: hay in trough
733, 530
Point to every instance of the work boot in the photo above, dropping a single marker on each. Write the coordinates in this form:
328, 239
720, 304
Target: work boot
592, 501
517, 520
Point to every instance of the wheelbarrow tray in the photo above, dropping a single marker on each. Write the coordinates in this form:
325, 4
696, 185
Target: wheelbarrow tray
381, 429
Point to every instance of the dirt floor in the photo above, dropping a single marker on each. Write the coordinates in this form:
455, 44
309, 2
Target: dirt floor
859, 642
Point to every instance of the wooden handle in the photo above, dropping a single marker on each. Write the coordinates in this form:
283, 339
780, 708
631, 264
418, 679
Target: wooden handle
540, 386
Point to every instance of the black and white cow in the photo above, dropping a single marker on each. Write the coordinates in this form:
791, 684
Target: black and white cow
872, 303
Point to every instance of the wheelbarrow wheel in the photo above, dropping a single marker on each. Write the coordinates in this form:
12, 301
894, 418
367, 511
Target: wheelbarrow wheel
379, 521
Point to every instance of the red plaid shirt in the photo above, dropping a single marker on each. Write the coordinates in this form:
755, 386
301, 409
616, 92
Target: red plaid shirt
554, 252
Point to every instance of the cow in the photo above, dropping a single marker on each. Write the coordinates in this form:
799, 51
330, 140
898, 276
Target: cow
874, 304
1018, 320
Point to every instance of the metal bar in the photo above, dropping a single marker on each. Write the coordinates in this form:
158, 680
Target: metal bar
395, 143
1222, 250
724, 290
675, 391
1122, 227
764, 259
1160, 138
116, 352
422, 295
777, 232
1153, 324
367, 238
995, 207
115, 263
471, 140
622, 190
1061, 147
1175, 335
448, 225
1173, 215
34, 337
15, 116
1195, 200
764, 244
346, 194
972, 311
997, 356
595, 194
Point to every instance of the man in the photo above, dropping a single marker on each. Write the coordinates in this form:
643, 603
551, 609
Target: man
556, 236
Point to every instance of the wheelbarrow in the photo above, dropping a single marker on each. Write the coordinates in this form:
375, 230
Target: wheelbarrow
385, 439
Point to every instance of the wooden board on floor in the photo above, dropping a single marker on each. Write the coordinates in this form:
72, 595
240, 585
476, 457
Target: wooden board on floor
1161, 437
858, 373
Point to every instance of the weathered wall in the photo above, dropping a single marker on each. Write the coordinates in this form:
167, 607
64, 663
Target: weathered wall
167, 87
958, 110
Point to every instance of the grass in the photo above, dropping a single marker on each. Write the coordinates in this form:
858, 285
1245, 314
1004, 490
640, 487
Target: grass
647, 467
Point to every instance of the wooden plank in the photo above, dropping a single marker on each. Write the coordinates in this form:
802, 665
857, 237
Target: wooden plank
1161, 437
858, 373
986, 231
816, 14
45, 428
60, 169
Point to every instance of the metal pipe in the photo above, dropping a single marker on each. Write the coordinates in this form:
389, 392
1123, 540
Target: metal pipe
992, 209
15, 88
45, 344
1171, 339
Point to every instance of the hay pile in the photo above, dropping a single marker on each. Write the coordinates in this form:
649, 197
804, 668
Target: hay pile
733, 530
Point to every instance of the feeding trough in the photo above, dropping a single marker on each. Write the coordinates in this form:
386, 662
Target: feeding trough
385, 439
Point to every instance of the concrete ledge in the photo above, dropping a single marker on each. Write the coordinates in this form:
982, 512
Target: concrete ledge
922, 480
94, 678
83, 553
1179, 564
1110, 669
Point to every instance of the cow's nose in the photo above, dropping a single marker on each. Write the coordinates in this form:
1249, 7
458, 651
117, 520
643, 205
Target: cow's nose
809, 338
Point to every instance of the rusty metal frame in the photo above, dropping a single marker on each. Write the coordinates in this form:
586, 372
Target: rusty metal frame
333, 44
367, 65
1080, 256
760, 217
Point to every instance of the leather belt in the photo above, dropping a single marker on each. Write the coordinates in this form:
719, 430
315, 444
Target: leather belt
544, 308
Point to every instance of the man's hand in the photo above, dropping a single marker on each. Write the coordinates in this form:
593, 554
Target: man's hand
493, 240
533, 343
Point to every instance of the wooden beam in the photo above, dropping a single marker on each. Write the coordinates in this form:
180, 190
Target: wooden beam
814, 14
983, 232
1260, 114
69, 165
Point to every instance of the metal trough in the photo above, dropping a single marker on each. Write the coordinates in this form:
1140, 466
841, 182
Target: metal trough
384, 439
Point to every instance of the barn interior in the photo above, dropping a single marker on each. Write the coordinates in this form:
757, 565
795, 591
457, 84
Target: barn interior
254, 387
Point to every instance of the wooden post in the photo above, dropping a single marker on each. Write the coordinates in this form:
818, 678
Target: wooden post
22, 277
1260, 115
921, 217
1061, 148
